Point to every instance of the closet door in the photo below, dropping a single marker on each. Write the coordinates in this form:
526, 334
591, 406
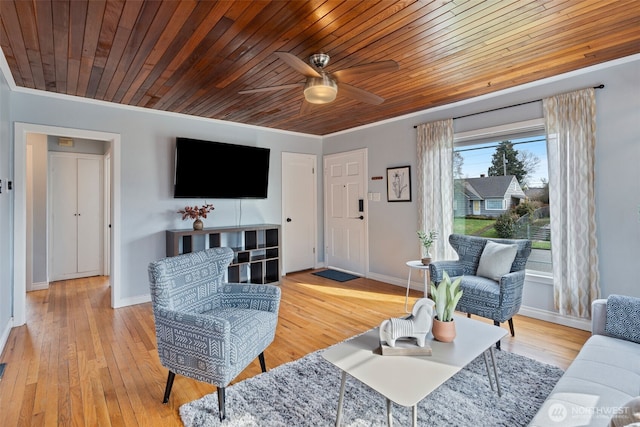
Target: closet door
63, 231
89, 215
75, 230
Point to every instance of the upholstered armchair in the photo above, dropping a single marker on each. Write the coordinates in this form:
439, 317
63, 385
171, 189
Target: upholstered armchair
492, 271
207, 329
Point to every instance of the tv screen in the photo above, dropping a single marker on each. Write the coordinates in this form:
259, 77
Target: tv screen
216, 170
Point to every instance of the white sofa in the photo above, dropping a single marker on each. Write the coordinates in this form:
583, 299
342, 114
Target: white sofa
602, 380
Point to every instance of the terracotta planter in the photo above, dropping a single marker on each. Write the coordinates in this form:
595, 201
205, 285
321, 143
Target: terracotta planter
443, 331
198, 224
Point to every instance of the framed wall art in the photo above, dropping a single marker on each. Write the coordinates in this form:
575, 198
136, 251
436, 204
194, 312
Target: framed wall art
399, 184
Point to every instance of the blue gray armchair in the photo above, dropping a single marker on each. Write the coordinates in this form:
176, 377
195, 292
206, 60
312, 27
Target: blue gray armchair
207, 329
489, 289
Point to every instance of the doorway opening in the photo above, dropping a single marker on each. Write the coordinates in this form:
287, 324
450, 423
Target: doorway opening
21, 135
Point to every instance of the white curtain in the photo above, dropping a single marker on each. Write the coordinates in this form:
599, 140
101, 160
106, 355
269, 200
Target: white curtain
571, 134
435, 184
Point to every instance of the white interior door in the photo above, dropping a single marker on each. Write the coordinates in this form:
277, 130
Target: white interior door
64, 230
106, 225
299, 209
345, 231
89, 215
76, 215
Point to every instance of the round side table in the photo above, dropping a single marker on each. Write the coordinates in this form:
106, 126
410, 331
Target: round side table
418, 265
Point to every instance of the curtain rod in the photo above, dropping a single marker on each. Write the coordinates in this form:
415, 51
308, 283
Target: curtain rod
601, 86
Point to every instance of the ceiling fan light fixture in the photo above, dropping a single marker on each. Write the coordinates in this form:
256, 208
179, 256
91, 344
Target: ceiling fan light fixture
320, 90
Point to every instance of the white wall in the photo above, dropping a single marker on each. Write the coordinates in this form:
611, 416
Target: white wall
80, 145
147, 152
6, 205
393, 143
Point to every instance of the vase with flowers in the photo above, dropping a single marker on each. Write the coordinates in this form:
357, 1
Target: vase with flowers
196, 212
426, 240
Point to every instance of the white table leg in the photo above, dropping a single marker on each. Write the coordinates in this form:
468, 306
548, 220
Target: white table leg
415, 415
389, 414
495, 371
426, 282
486, 364
341, 398
406, 298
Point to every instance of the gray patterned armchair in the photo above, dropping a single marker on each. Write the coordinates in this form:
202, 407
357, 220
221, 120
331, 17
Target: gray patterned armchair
207, 329
492, 282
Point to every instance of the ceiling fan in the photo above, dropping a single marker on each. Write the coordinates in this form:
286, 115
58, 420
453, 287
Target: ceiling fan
321, 87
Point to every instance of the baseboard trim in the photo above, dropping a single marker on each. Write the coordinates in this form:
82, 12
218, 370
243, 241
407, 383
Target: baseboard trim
550, 316
40, 286
125, 302
394, 281
4, 337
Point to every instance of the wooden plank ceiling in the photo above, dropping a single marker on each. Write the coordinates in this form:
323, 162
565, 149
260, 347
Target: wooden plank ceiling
193, 57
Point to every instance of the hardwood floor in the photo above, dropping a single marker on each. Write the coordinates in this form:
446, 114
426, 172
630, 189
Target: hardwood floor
77, 361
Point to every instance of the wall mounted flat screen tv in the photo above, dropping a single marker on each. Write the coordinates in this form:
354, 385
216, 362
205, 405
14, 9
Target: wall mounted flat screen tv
216, 170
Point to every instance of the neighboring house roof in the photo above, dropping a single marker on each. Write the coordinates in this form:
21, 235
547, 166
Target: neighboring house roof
470, 193
534, 192
490, 187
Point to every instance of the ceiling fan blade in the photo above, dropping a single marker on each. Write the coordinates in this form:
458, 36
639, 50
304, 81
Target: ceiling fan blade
272, 88
298, 64
359, 94
373, 67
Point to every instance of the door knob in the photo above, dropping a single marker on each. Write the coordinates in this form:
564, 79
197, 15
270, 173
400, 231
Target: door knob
361, 217
288, 219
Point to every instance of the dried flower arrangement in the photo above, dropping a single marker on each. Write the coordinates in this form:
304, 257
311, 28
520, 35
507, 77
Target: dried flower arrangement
196, 212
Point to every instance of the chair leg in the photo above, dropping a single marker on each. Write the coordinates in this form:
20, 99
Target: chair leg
513, 334
263, 365
496, 323
167, 389
221, 408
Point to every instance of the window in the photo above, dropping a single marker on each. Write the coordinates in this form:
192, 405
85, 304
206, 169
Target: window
485, 164
495, 204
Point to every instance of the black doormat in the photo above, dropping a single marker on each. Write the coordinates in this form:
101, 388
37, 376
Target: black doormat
338, 276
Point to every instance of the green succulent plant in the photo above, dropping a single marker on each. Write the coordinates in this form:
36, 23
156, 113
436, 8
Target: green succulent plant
446, 296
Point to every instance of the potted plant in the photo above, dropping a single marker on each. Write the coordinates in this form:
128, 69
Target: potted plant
195, 212
446, 296
427, 239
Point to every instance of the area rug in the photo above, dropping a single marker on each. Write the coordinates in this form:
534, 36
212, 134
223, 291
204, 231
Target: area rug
305, 393
338, 276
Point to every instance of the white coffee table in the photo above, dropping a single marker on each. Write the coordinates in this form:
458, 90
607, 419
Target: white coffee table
406, 380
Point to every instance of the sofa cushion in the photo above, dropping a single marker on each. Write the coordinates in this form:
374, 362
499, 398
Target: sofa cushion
496, 260
628, 414
482, 292
604, 376
623, 313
